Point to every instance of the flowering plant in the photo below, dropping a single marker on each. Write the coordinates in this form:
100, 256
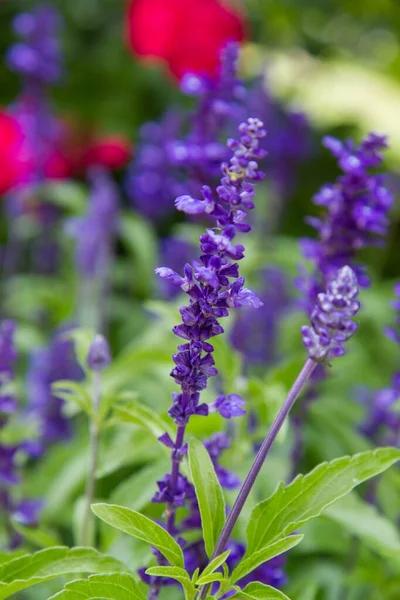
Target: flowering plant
252, 461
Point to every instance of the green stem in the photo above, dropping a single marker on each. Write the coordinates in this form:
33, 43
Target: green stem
86, 537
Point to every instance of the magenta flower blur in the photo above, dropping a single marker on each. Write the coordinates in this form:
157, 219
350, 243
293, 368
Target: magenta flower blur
331, 319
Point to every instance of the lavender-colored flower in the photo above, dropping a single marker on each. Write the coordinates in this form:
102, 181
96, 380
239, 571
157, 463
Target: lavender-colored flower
47, 365
393, 332
181, 153
94, 233
270, 573
255, 334
382, 422
99, 356
8, 355
215, 446
8, 465
331, 324
357, 207
38, 56
208, 284
174, 252
229, 406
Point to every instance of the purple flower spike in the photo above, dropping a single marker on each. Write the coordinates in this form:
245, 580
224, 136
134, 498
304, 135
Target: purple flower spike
331, 323
214, 287
356, 217
229, 406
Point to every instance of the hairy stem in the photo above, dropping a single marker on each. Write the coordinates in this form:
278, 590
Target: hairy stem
176, 459
245, 490
86, 537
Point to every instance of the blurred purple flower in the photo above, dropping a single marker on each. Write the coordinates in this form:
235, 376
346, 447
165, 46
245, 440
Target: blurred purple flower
47, 365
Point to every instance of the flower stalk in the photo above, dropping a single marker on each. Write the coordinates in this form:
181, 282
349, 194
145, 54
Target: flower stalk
262, 454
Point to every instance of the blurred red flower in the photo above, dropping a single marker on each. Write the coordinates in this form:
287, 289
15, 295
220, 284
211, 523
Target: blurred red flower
110, 151
187, 34
12, 167
67, 154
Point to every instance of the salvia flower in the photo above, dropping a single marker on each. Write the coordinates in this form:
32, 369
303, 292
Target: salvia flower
255, 334
38, 55
207, 282
8, 355
382, 422
213, 286
184, 151
47, 365
331, 319
23, 510
94, 232
357, 207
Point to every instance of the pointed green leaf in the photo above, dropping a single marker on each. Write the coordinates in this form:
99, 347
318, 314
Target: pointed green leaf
363, 520
102, 587
20, 573
204, 579
142, 415
260, 591
209, 494
247, 565
139, 526
72, 391
175, 573
308, 495
214, 564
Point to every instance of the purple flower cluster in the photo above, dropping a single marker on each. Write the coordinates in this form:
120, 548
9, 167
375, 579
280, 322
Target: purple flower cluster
94, 232
168, 162
357, 207
207, 282
22, 510
174, 252
185, 150
331, 319
47, 365
38, 56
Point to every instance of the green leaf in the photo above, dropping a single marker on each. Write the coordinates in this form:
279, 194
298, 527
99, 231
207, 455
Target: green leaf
247, 565
139, 238
20, 573
260, 591
204, 579
38, 537
309, 495
102, 587
139, 526
142, 415
175, 573
75, 392
209, 494
214, 564
136, 491
364, 521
